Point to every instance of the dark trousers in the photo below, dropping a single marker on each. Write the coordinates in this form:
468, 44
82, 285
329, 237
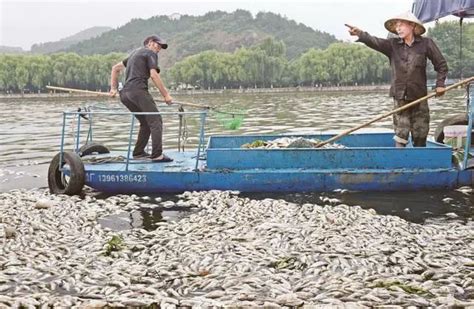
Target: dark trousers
142, 101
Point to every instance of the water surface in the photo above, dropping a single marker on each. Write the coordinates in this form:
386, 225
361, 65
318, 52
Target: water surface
31, 129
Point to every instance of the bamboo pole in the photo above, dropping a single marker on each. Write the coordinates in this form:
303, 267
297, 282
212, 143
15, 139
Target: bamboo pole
335, 138
106, 94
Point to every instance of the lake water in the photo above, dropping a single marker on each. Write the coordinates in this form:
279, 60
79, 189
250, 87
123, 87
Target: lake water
30, 133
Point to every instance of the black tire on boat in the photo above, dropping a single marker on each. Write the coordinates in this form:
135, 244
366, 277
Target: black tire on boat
92, 148
57, 181
460, 119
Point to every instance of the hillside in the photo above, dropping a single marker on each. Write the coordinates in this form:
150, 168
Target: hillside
51, 47
225, 32
10, 50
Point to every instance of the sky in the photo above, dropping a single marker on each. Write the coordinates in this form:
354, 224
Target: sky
23, 23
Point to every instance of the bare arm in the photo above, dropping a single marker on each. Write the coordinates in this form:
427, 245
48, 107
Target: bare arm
116, 70
155, 77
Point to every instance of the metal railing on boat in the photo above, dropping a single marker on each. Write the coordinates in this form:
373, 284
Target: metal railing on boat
470, 112
87, 114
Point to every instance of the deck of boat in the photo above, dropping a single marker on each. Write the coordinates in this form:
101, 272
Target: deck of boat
116, 161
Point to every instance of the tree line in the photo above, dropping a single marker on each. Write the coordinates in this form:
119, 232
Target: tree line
33, 72
263, 65
266, 66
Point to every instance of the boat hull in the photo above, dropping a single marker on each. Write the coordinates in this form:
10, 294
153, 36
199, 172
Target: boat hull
277, 181
368, 163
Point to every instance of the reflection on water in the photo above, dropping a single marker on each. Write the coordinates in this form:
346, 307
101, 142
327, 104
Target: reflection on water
31, 129
414, 206
148, 217
417, 207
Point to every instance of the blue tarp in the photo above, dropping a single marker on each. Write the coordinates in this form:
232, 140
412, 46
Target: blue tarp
429, 10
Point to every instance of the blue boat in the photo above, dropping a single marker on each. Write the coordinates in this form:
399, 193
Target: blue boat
369, 162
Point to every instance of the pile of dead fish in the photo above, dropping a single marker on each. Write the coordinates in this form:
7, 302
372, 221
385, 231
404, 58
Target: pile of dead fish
291, 142
234, 251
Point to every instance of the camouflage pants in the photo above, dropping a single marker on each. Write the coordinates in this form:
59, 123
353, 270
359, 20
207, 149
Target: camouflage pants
415, 120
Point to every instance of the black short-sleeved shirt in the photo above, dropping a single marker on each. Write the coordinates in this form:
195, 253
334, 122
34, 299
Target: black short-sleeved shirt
138, 64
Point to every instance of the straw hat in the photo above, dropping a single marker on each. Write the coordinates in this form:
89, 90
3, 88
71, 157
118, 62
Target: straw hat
391, 24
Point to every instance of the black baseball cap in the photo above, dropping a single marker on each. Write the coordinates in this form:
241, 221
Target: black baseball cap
156, 39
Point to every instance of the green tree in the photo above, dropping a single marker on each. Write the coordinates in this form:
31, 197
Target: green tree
34, 72
21, 74
8, 65
447, 37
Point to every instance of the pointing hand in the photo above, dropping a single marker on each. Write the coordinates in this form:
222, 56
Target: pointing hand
353, 30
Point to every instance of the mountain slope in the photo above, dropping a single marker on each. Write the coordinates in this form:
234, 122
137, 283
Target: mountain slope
188, 35
51, 47
10, 50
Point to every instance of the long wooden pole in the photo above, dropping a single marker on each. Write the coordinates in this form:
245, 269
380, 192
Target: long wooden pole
335, 138
106, 94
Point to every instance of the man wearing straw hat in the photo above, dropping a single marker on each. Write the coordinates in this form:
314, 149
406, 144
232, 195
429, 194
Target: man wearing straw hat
141, 65
408, 54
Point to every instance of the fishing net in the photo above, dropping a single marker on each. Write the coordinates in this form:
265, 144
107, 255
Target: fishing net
231, 119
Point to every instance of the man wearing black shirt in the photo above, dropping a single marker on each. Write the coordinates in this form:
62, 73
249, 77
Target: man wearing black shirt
408, 56
141, 65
